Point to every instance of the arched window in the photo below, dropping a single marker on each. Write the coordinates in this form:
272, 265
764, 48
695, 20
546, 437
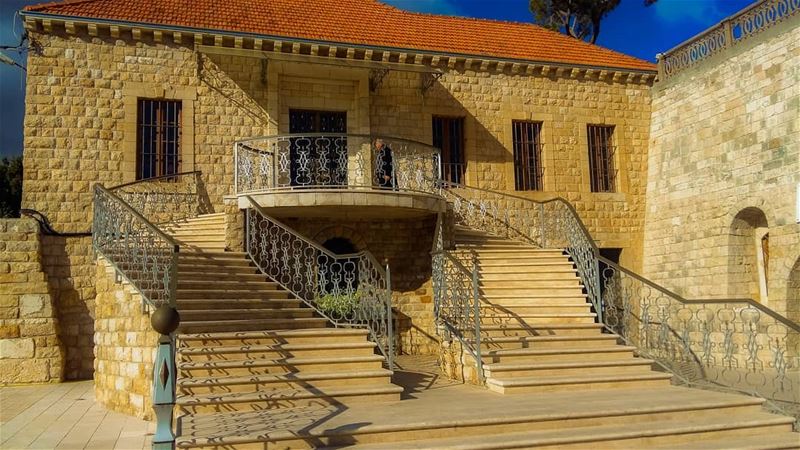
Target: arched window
748, 255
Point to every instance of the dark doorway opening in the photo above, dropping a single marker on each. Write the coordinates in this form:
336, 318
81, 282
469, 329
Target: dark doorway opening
343, 272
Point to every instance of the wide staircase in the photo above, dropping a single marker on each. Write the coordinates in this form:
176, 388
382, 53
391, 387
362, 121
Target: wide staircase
257, 368
247, 344
538, 332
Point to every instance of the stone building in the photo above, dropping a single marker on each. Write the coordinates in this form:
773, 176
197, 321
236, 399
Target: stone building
315, 194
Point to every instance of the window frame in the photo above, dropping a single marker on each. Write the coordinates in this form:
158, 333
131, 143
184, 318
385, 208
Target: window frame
161, 134
601, 153
534, 173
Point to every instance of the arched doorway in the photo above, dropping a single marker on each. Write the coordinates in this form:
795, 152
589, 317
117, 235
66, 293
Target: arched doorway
748, 255
342, 274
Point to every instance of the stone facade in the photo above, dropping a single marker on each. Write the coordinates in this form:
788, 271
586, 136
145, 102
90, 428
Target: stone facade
79, 116
125, 346
30, 349
724, 168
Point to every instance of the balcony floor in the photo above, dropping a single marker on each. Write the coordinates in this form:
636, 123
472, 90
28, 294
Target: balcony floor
347, 204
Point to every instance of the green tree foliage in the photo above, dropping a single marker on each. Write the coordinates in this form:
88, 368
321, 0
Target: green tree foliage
577, 18
10, 186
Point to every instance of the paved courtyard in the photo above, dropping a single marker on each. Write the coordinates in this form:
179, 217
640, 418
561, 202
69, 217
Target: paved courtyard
65, 416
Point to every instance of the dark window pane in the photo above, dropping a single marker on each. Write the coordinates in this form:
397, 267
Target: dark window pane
158, 138
601, 158
528, 171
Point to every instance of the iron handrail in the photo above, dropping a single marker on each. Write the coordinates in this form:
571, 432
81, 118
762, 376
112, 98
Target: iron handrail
139, 216
345, 135
158, 178
304, 282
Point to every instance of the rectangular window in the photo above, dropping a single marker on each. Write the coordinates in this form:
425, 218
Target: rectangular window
158, 138
601, 157
448, 136
527, 155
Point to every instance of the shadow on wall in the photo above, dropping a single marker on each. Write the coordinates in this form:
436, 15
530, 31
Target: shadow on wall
69, 264
793, 293
745, 254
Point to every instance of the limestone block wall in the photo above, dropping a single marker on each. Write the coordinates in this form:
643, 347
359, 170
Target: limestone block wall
406, 243
489, 101
30, 349
724, 165
70, 267
125, 346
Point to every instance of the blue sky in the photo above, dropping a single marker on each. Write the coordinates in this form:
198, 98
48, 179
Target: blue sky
631, 28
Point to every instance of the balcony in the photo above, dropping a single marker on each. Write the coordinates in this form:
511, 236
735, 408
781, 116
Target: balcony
339, 176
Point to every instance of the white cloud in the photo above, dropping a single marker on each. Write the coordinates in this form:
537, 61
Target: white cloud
683, 10
448, 7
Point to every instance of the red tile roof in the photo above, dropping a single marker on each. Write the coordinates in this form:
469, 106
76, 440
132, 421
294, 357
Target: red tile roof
365, 22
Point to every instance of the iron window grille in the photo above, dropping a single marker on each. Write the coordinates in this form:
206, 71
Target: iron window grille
158, 138
528, 170
601, 158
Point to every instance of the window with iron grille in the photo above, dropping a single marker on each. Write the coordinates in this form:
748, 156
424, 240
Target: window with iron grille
601, 158
158, 138
528, 169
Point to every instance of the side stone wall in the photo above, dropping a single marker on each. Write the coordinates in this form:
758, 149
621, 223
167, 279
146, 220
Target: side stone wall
724, 168
70, 267
125, 345
30, 350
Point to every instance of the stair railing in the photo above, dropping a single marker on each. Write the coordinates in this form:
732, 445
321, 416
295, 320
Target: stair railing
147, 258
731, 345
456, 299
167, 198
349, 290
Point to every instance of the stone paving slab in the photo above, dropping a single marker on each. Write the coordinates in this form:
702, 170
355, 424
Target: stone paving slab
66, 416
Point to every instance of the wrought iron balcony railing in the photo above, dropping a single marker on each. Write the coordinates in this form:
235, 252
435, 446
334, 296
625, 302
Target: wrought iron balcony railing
349, 290
737, 345
167, 198
739, 27
329, 160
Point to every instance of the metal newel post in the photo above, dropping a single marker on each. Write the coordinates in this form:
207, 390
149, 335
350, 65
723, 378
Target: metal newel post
164, 320
477, 315
389, 318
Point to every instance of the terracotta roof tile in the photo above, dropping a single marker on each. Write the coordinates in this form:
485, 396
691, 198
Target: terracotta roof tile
366, 22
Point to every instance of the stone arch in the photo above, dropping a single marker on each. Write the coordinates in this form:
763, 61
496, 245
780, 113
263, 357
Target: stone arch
793, 292
746, 278
342, 232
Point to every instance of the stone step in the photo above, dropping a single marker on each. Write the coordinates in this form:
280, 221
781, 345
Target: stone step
669, 433
508, 263
397, 425
548, 342
592, 353
537, 319
224, 283
512, 251
574, 368
775, 441
194, 261
298, 337
199, 233
511, 300
189, 305
234, 275
200, 315
501, 270
646, 379
541, 283
542, 329
528, 309
274, 352
253, 401
266, 293
505, 291
523, 258
281, 382
251, 324
287, 365
529, 276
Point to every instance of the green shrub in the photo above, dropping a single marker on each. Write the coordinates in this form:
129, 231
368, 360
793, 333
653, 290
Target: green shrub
341, 305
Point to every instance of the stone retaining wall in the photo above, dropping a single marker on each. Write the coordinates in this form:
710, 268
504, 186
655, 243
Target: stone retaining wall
30, 349
125, 345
